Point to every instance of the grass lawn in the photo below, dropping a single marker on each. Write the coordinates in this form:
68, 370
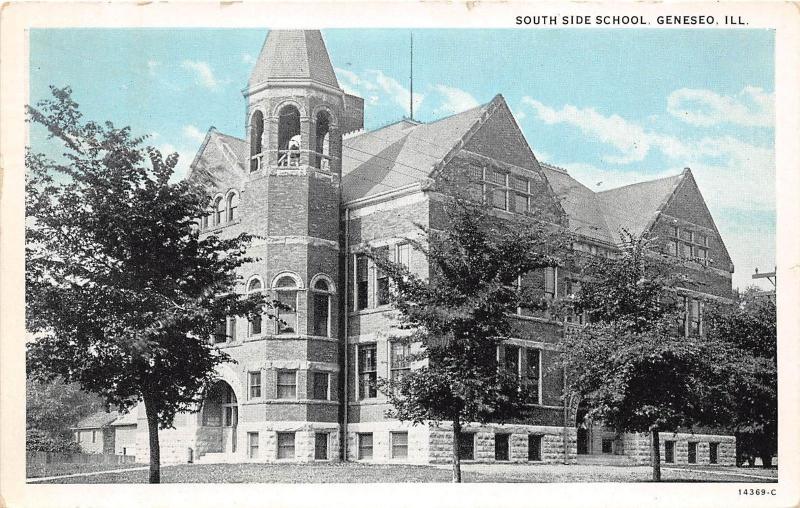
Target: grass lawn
39, 470
383, 473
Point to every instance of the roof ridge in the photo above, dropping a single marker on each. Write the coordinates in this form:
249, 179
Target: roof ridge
679, 175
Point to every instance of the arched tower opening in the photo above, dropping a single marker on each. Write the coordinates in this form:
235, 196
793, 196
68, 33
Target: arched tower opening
220, 416
322, 140
289, 139
256, 135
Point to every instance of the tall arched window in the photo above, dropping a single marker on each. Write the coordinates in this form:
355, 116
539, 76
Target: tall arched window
219, 211
286, 288
289, 141
204, 221
321, 292
233, 205
323, 140
254, 322
256, 133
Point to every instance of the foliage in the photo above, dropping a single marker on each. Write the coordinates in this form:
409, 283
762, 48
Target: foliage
631, 366
37, 440
121, 291
52, 408
750, 327
460, 314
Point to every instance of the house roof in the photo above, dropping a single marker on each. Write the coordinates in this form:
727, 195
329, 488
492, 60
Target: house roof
634, 207
583, 209
401, 153
97, 420
291, 55
128, 418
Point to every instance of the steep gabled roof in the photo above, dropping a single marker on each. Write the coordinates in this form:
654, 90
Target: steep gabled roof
292, 55
583, 209
229, 151
635, 207
97, 420
402, 153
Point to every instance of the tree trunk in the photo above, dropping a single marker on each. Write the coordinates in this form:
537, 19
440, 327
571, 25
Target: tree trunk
766, 461
456, 451
655, 454
152, 430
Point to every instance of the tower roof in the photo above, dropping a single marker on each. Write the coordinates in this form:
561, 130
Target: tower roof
291, 55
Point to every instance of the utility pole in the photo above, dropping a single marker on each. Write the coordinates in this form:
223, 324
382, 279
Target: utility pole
411, 80
772, 278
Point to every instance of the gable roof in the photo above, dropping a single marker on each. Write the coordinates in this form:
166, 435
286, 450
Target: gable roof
403, 153
291, 55
635, 207
128, 418
97, 420
583, 209
230, 149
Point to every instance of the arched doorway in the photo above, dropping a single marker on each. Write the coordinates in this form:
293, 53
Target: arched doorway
220, 418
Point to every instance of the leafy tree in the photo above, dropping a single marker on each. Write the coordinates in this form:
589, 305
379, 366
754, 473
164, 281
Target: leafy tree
632, 366
121, 292
52, 408
750, 327
460, 314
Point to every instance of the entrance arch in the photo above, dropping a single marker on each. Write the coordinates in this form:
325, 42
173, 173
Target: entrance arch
219, 419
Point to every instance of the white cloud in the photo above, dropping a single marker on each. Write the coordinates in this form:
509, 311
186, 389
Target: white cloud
751, 107
454, 100
248, 59
203, 73
519, 114
185, 157
193, 134
397, 93
630, 139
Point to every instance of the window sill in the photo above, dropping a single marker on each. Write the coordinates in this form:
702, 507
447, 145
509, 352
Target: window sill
372, 310
220, 227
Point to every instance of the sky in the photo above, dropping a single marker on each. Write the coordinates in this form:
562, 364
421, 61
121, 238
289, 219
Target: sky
613, 107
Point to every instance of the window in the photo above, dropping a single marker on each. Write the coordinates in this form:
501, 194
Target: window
672, 248
497, 189
219, 211
289, 138
285, 445
362, 282
399, 445
229, 408
521, 197
692, 452
233, 205
534, 358
501, 447
404, 255
321, 385
286, 295
511, 361
287, 384
252, 445
78, 436
321, 308
254, 321
669, 452
550, 282
219, 333
256, 133
322, 138
466, 448
712, 452
695, 316
231, 328
687, 250
321, 446
674, 231
381, 279
204, 221
365, 445
608, 445
254, 379
399, 364
367, 371
687, 235
534, 447
94, 436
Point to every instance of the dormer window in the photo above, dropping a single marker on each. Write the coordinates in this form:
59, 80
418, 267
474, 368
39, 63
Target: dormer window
289, 139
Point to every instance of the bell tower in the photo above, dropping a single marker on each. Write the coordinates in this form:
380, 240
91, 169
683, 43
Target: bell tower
296, 116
